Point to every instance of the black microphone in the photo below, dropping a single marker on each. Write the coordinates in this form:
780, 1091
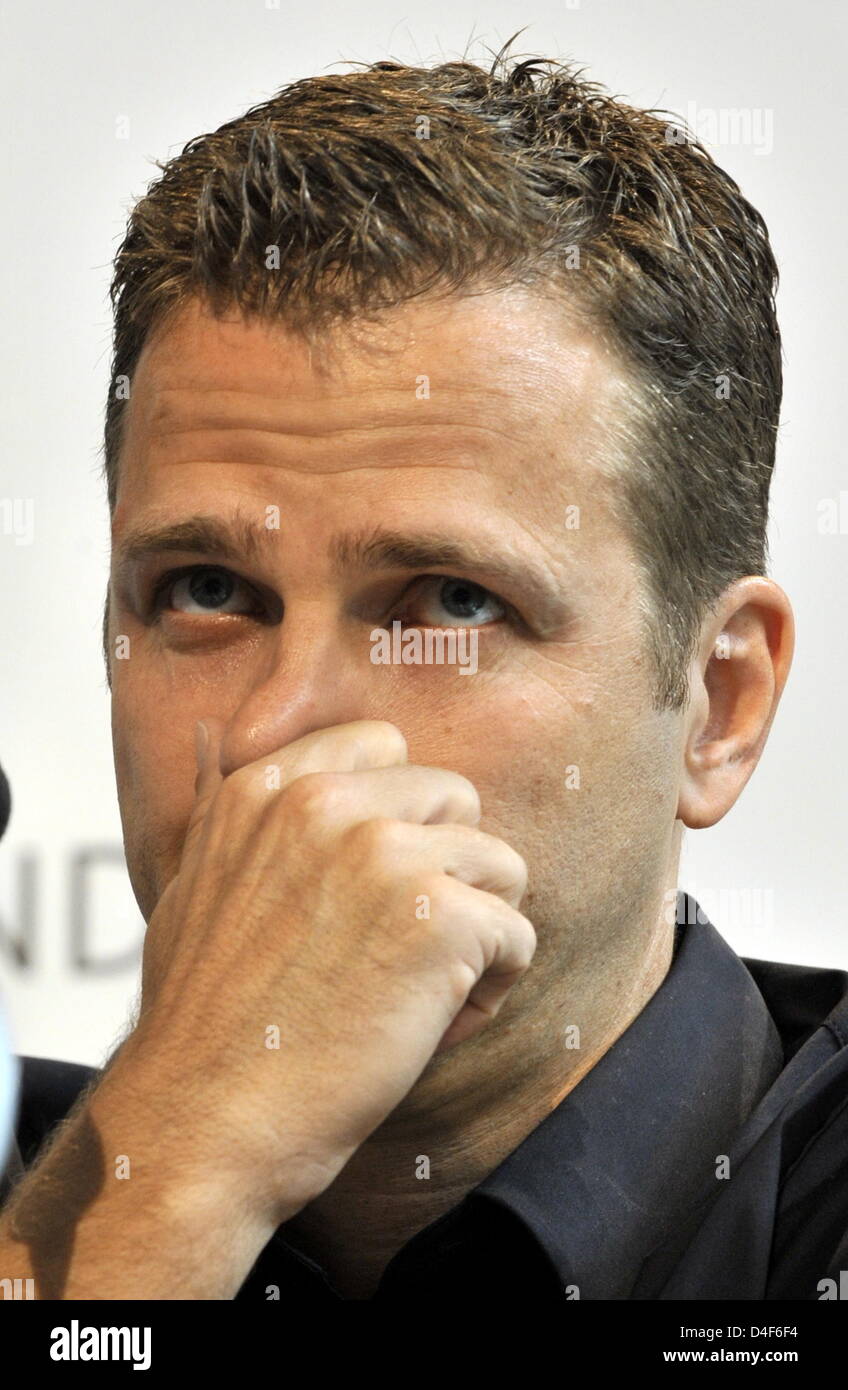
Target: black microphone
5, 802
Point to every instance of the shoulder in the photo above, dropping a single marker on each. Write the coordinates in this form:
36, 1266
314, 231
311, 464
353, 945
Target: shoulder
801, 1000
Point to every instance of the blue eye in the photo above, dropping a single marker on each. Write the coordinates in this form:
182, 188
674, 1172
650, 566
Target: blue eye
209, 587
463, 603
434, 600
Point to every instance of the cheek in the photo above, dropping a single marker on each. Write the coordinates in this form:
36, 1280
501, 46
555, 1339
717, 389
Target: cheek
514, 746
563, 776
154, 772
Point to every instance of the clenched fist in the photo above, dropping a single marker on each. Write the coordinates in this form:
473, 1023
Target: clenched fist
337, 919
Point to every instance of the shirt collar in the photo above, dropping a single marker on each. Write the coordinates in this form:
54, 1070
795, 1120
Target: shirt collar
622, 1161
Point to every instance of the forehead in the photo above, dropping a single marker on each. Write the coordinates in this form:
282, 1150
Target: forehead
503, 375
473, 341
479, 424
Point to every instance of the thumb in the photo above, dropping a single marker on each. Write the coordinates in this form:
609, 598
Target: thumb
208, 735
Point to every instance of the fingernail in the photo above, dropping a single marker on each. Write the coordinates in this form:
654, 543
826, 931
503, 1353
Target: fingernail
201, 742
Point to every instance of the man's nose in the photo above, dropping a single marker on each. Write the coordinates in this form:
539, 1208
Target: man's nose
316, 674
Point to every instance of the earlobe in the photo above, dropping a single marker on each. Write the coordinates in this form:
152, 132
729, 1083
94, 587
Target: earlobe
736, 682
698, 753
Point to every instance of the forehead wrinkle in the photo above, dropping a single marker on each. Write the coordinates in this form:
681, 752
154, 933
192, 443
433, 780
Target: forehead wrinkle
291, 408
398, 428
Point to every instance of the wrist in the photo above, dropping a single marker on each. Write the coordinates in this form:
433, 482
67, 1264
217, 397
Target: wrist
198, 1154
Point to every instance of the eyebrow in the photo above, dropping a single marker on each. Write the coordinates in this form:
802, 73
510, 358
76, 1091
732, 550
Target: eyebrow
382, 549
240, 538
236, 539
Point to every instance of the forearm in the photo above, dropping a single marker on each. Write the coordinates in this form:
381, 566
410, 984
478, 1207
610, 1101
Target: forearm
106, 1213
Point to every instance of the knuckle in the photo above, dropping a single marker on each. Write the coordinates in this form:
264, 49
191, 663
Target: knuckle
526, 933
445, 897
520, 933
434, 887
379, 840
247, 783
312, 794
461, 979
527, 927
467, 794
512, 866
518, 870
389, 739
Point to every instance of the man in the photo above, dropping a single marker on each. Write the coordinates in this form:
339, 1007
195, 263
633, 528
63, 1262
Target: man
490, 355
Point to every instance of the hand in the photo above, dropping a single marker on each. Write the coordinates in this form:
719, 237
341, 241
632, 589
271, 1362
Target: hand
356, 908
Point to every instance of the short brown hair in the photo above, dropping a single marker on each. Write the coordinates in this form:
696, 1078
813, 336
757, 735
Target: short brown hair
395, 181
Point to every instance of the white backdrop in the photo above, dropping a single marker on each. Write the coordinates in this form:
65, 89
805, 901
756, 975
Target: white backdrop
91, 94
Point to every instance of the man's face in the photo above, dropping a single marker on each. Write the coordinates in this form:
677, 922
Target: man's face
478, 424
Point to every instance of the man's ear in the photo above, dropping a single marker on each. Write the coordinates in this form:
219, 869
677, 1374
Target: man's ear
735, 681
106, 634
